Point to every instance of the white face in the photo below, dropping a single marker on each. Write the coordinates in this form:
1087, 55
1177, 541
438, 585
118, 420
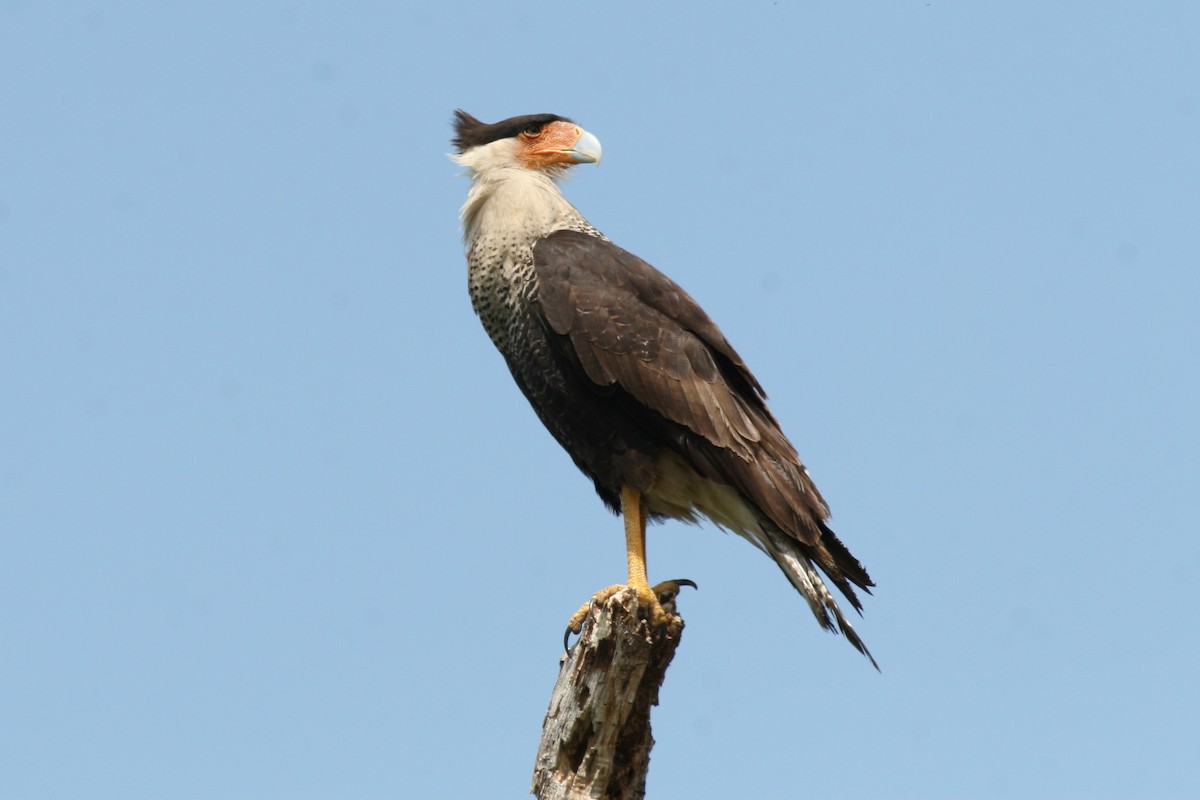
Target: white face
485, 158
548, 148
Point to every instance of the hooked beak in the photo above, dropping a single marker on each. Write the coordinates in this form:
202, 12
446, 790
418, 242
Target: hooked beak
586, 149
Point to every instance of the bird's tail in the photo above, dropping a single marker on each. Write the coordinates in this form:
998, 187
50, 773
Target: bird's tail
799, 562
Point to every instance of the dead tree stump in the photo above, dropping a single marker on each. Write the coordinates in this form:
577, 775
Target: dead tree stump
596, 738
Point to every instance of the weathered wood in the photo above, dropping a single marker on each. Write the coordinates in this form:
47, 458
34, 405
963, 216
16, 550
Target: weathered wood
596, 738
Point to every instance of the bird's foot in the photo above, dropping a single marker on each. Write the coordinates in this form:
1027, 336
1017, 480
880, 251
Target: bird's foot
653, 603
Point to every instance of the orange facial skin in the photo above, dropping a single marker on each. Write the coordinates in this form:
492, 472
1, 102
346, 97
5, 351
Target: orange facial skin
549, 145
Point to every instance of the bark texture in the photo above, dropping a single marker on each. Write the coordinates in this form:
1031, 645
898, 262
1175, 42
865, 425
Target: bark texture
596, 737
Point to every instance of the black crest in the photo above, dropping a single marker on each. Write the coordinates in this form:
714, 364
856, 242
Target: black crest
470, 132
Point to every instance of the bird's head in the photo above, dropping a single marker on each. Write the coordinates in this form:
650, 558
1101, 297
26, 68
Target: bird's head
542, 142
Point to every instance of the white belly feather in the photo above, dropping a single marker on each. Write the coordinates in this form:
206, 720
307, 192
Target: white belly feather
682, 493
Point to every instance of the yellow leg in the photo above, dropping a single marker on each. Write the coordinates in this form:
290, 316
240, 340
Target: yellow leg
635, 536
650, 599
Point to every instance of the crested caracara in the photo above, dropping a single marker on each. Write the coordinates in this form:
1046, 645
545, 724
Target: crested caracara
629, 374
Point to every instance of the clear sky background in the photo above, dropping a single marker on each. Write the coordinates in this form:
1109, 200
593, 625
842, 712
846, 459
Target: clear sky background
276, 523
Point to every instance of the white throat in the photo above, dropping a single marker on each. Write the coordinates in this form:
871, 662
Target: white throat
509, 200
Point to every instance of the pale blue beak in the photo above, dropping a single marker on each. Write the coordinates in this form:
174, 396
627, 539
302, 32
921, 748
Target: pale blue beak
586, 149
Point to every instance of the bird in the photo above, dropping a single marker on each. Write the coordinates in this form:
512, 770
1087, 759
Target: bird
630, 375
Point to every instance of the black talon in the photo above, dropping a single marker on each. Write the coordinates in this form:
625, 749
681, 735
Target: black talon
567, 634
666, 594
672, 588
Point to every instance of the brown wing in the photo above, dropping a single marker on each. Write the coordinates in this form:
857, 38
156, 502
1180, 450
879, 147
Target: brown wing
630, 325
633, 326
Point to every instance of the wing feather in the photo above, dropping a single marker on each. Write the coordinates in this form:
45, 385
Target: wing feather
629, 325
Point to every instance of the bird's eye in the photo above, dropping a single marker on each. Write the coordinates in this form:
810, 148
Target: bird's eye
532, 131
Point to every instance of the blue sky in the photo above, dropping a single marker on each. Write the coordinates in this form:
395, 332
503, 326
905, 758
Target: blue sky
275, 522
